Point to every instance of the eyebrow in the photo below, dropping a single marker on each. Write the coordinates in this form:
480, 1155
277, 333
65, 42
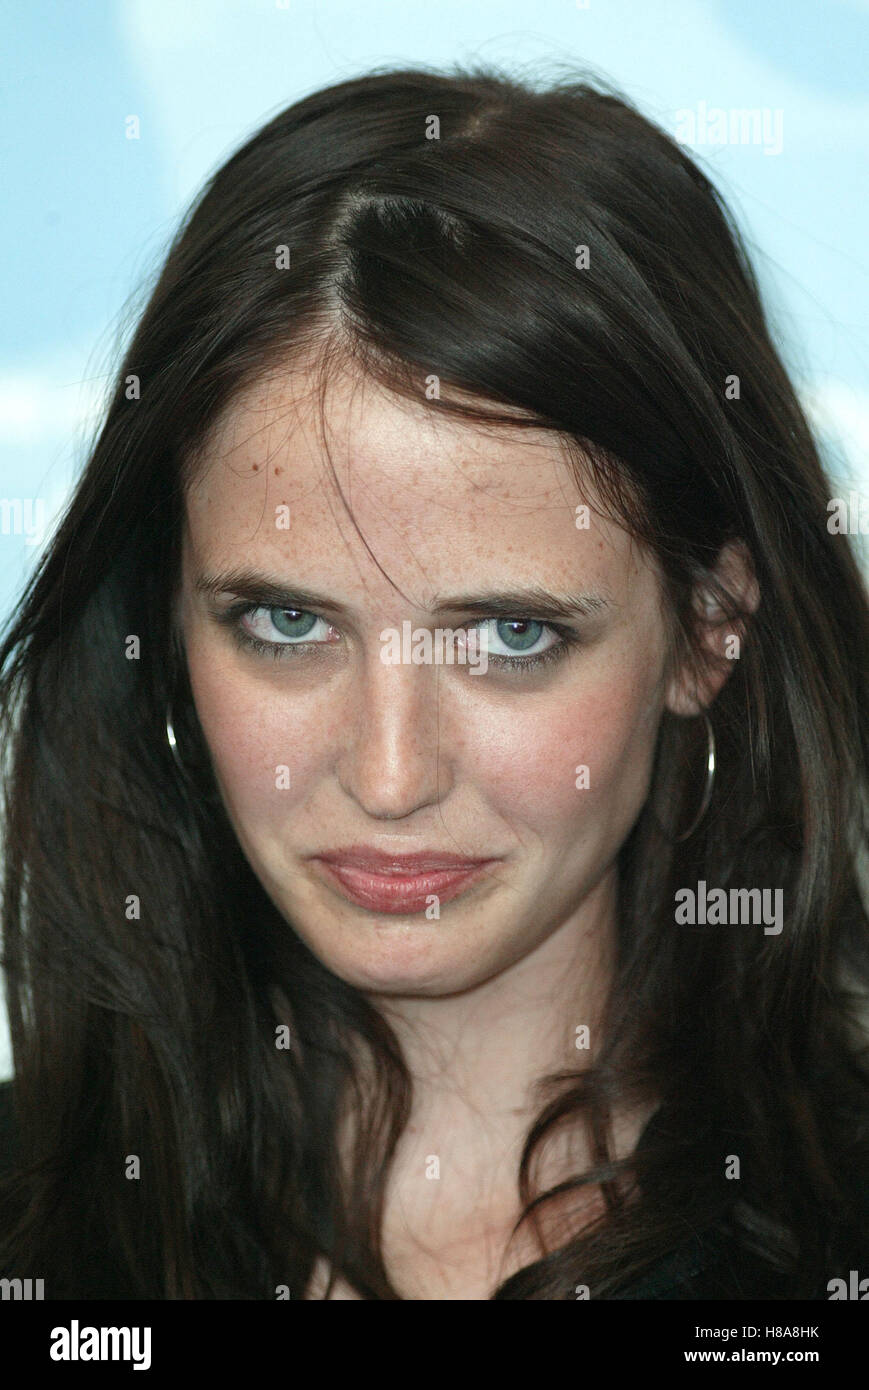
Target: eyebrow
532, 602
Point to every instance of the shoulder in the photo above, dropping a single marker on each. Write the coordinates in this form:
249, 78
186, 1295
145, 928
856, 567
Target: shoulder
719, 1264
722, 1260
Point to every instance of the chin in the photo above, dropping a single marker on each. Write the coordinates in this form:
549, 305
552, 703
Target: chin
402, 958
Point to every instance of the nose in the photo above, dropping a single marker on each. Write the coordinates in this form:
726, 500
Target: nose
393, 761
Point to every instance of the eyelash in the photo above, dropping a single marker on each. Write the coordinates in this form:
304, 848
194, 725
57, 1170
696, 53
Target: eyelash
278, 651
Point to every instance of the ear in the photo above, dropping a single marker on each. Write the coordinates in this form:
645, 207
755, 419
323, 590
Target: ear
719, 638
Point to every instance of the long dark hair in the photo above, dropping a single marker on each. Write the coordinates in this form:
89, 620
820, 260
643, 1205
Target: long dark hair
147, 969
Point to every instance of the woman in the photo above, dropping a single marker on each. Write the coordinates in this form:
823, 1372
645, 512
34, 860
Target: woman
333, 973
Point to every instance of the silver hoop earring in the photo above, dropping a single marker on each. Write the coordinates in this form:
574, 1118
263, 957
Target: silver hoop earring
707, 790
172, 740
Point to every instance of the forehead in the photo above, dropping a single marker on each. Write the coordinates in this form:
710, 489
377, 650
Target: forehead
289, 479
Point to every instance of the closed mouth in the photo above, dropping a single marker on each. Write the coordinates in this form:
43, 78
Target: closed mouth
411, 884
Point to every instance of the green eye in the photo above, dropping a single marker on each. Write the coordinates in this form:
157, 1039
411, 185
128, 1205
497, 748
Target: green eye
292, 622
276, 632
519, 634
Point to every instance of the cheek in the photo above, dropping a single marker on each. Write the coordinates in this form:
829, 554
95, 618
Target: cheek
265, 751
581, 760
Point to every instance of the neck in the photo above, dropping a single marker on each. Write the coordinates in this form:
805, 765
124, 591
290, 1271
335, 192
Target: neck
482, 1050
475, 1059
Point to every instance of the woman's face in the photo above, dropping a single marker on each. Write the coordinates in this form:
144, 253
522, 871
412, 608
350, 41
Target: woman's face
319, 743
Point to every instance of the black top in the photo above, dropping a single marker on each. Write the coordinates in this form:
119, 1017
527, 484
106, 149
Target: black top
7, 1134
708, 1266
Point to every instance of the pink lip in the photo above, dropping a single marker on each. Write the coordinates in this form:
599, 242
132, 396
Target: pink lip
378, 861
398, 884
